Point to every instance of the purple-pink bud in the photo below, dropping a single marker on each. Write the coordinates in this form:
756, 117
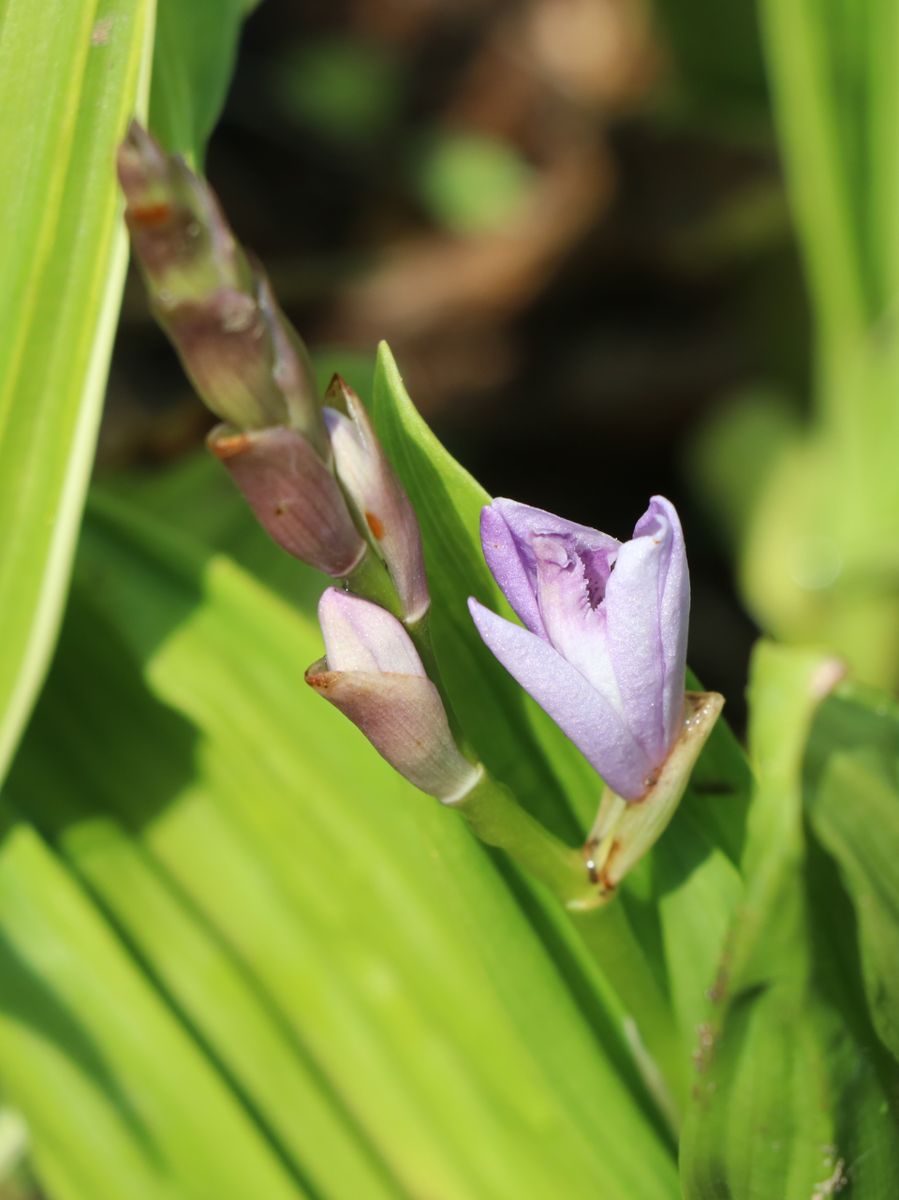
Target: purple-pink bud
294, 495
372, 672
382, 506
604, 642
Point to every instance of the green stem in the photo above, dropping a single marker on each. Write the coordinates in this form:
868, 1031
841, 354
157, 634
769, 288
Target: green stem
369, 578
497, 819
610, 938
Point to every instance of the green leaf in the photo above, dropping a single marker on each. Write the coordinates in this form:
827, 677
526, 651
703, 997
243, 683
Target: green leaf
790, 1098
526, 749
70, 77
196, 46
853, 801
372, 929
117, 1094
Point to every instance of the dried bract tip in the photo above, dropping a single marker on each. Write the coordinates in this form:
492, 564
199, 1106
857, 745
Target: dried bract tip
625, 831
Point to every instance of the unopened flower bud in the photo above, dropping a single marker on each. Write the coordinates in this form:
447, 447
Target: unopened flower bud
372, 672
294, 495
180, 237
382, 507
245, 360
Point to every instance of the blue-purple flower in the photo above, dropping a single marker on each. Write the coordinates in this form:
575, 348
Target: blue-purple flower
603, 648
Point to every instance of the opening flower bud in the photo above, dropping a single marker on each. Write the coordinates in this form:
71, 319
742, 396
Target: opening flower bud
294, 495
604, 643
382, 508
372, 672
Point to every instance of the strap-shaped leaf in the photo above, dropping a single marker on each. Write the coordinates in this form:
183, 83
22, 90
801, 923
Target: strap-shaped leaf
71, 73
853, 801
791, 1096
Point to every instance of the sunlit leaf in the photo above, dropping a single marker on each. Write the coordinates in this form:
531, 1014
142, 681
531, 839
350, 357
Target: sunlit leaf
71, 75
376, 933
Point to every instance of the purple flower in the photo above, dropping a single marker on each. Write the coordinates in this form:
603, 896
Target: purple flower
604, 646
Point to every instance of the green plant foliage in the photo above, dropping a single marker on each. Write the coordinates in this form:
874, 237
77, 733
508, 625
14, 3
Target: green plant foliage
693, 870
352, 922
70, 77
816, 552
793, 1093
346, 89
853, 801
196, 44
510, 733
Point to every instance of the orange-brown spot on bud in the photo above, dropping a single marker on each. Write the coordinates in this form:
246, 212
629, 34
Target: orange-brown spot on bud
151, 214
320, 680
230, 446
375, 524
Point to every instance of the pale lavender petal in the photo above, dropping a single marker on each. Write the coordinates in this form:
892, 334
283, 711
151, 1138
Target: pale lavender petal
525, 520
505, 555
404, 719
508, 530
674, 610
361, 636
646, 626
579, 710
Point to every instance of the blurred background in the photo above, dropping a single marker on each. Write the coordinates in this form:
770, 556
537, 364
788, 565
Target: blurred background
566, 217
